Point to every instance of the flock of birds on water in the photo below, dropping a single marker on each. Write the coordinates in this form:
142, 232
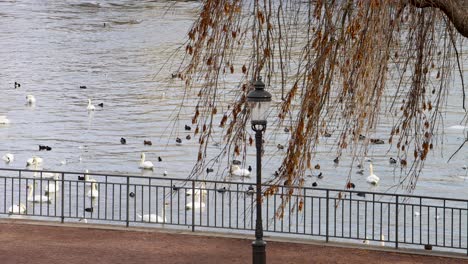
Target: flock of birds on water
235, 170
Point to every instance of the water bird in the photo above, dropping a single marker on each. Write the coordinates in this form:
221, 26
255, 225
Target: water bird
30, 99
279, 146
362, 137
8, 158
82, 86
123, 141
4, 120
464, 167
416, 214
249, 168
81, 178
359, 166
89, 209
350, 185
47, 148
159, 159
101, 104
175, 188
360, 172
178, 141
236, 162
36, 198
250, 190
53, 186
188, 128
188, 137
175, 75
317, 167
320, 175
17, 209
377, 141
372, 178
17, 85
154, 218
326, 134
286, 129
131, 194
93, 192
90, 106
165, 173
392, 160
34, 161
237, 171
147, 165
361, 194
208, 170
428, 247
197, 205
222, 190
314, 184
336, 160
276, 174
147, 142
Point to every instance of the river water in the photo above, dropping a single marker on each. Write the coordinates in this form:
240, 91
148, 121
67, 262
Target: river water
124, 53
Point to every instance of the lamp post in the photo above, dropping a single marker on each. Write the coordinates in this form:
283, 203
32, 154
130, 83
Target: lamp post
259, 101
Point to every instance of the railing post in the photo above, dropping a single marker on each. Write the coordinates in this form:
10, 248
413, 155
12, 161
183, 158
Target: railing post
327, 215
396, 221
127, 203
63, 199
193, 206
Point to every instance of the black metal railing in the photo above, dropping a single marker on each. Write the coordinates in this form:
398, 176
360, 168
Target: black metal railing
330, 214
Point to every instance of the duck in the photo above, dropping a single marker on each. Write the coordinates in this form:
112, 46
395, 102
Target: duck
159, 159
372, 178
336, 160
17, 209
101, 104
146, 165
237, 171
82, 86
17, 85
175, 188
279, 146
188, 137
89, 209
203, 192
178, 141
250, 190
154, 218
147, 142
30, 99
123, 141
377, 141
222, 190
208, 170
37, 198
34, 161
93, 192
236, 162
90, 107
392, 160
4, 120
187, 128
8, 158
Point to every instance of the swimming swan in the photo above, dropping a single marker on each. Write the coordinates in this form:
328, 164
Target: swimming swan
8, 157
93, 192
372, 178
17, 209
37, 198
237, 171
154, 218
90, 107
53, 186
4, 120
34, 161
146, 165
30, 99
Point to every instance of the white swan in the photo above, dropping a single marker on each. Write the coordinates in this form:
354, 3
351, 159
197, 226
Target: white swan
154, 218
93, 192
34, 161
147, 165
46, 175
372, 178
17, 209
8, 157
53, 186
198, 205
30, 99
237, 171
90, 107
199, 190
4, 120
38, 198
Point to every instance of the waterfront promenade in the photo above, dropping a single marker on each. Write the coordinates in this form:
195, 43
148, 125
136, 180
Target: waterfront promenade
49, 242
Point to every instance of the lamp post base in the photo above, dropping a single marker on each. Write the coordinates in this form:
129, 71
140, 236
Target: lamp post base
259, 254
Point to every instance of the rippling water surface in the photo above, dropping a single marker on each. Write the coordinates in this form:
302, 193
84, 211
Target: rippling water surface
115, 50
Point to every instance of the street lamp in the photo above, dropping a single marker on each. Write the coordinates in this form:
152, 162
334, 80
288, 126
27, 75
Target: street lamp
259, 102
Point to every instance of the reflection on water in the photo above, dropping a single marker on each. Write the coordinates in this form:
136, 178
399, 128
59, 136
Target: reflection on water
115, 49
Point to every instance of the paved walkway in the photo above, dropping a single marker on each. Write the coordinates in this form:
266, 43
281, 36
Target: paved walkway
22, 242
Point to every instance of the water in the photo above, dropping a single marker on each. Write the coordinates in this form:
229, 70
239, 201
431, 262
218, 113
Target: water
115, 50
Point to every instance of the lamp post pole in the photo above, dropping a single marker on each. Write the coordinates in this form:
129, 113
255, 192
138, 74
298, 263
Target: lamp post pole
258, 246
259, 101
